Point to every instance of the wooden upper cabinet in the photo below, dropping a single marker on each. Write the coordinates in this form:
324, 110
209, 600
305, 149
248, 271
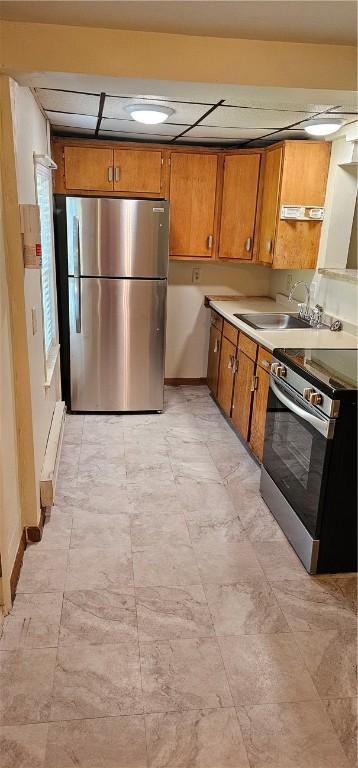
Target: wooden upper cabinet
88, 168
192, 204
239, 204
137, 171
270, 196
295, 174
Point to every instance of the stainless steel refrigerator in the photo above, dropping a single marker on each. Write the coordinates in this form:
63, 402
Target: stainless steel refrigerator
113, 309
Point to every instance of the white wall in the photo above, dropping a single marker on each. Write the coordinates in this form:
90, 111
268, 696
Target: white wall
30, 132
10, 509
188, 320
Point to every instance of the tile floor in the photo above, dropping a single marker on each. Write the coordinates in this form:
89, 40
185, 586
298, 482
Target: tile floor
163, 621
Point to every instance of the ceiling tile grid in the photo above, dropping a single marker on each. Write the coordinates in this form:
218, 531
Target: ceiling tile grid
220, 123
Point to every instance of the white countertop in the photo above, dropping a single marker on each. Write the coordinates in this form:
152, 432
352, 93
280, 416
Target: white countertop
294, 338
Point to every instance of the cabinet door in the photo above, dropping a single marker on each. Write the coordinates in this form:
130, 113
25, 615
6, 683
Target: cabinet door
192, 204
214, 359
89, 168
137, 171
226, 375
243, 389
258, 418
240, 189
269, 210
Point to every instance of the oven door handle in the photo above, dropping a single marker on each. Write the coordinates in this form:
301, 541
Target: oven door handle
324, 426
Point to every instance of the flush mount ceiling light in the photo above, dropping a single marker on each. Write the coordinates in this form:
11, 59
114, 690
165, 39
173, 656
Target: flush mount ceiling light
323, 126
151, 114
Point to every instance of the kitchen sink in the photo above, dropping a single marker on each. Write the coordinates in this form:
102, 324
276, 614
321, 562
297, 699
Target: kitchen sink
273, 321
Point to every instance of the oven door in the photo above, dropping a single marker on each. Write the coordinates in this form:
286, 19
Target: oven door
296, 452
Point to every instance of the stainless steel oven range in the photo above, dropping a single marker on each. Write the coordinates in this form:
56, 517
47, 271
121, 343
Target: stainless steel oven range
309, 473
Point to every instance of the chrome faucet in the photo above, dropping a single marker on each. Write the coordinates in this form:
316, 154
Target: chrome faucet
305, 310
312, 316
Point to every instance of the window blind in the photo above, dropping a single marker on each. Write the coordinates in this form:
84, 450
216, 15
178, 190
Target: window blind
44, 200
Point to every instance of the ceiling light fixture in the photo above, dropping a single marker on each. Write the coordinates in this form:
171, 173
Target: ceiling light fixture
323, 126
151, 114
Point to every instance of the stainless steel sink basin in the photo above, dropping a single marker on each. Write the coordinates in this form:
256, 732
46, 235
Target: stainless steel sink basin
273, 321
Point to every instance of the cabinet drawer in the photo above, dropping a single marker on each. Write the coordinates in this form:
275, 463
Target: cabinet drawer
230, 332
216, 320
264, 359
248, 346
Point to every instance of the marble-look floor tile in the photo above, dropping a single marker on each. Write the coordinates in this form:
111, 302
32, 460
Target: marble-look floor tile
92, 684
245, 478
158, 497
57, 531
92, 455
209, 535
183, 674
34, 622
204, 500
26, 679
278, 560
245, 608
226, 455
343, 716
165, 613
256, 518
228, 562
331, 657
144, 473
102, 432
195, 469
23, 746
43, 571
94, 568
290, 735
98, 616
320, 602
209, 738
157, 528
99, 529
106, 742
266, 668
98, 497
106, 473
165, 565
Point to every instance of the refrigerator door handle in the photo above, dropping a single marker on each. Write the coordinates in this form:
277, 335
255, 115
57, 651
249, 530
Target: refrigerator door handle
77, 272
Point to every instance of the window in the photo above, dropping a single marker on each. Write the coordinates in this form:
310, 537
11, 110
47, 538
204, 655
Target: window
44, 201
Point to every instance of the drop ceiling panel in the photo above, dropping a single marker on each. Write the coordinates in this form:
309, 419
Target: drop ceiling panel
185, 114
207, 132
72, 121
61, 101
204, 141
132, 126
133, 136
282, 135
232, 117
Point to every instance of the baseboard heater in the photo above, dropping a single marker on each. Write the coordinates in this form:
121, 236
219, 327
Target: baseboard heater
52, 456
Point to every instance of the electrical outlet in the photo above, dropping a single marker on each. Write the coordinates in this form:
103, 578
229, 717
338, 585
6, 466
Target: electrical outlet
196, 275
289, 282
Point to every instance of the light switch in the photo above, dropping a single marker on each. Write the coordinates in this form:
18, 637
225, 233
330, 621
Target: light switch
34, 320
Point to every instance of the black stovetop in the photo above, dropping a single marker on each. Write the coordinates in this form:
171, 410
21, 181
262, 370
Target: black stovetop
335, 370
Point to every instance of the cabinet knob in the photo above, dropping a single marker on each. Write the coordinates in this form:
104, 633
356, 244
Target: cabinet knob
269, 244
210, 241
110, 173
117, 173
216, 345
248, 244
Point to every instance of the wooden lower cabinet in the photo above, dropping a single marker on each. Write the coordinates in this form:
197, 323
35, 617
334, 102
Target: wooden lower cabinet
243, 391
214, 359
258, 417
226, 375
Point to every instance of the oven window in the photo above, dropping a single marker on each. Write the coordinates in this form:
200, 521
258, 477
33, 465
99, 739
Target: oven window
296, 457
293, 445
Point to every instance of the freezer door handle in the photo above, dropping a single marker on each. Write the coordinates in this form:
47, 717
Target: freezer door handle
77, 271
